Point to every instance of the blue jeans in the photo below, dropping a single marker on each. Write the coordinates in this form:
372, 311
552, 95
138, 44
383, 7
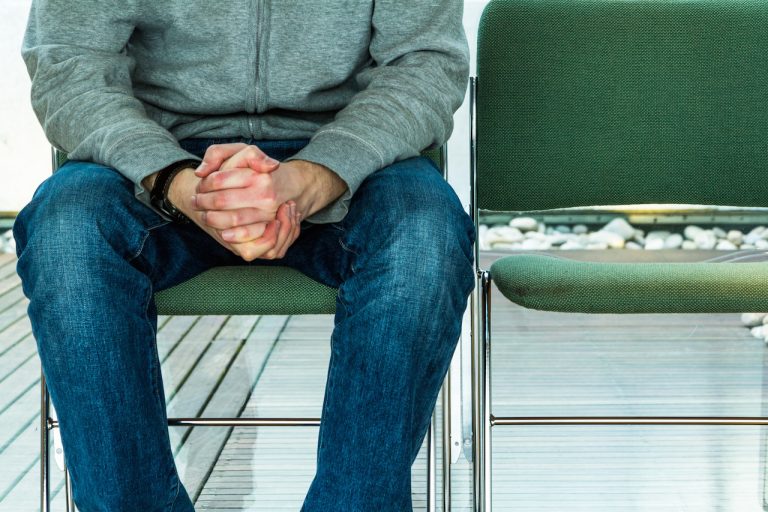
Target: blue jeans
91, 256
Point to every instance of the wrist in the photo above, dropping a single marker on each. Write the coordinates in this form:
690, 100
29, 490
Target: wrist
322, 186
183, 186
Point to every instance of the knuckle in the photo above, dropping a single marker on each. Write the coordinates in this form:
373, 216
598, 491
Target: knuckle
219, 202
214, 152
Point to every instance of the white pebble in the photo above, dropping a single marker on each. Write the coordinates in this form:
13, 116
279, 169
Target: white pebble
753, 319
571, 245
691, 232
754, 235
562, 229
747, 247
735, 236
705, 240
689, 245
503, 234
610, 239
761, 244
633, 245
580, 229
673, 241
535, 235
597, 246
725, 245
524, 223
719, 233
537, 245
620, 227
654, 244
758, 332
653, 235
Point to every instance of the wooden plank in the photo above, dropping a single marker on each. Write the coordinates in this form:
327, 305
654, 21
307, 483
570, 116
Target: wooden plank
180, 362
172, 331
15, 333
190, 400
272, 468
202, 448
24, 411
23, 378
16, 356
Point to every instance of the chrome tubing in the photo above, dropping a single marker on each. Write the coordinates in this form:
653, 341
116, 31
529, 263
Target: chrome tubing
447, 442
431, 461
45, 461
630, 420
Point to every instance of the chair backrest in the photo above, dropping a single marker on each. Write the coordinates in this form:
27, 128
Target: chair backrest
603, 102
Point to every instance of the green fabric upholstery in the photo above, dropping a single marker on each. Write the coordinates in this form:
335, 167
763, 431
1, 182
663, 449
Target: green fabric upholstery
595, 102
247, 290
558, 284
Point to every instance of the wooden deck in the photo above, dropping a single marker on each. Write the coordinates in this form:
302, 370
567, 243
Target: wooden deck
545, 364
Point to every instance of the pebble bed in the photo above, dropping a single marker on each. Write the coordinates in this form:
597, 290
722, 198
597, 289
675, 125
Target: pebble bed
526, 233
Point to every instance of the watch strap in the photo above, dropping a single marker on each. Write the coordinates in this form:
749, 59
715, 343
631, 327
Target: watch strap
158, 196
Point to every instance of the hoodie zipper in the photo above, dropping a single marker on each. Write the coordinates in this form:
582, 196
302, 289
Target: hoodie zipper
251, 99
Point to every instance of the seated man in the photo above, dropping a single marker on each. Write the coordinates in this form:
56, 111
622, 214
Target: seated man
203, 134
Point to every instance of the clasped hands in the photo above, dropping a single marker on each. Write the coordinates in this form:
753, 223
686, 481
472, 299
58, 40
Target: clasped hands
250, 203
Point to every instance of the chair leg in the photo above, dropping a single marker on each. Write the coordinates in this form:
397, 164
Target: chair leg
481, 398
45, 464
431, 456
68, 492
447, 442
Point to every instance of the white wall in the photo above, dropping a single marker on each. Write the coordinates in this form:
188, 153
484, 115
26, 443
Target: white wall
24, 151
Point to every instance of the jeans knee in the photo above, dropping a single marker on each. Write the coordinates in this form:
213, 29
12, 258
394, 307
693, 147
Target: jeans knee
409, 219
79, 209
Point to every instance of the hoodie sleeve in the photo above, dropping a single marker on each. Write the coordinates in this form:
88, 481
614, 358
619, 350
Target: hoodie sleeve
408, 97
82, 90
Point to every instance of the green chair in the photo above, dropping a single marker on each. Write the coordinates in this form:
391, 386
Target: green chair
251, 291
596, 102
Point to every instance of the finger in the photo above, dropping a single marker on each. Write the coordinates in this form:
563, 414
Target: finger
259, 197
215, 155
294, 236
226, 219
249, 251
253, 158
284, 215
224, 179
242, 234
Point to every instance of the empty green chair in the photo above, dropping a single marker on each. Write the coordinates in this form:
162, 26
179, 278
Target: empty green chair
250, 290
600, 102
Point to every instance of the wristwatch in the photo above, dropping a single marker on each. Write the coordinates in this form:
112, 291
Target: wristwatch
158, 196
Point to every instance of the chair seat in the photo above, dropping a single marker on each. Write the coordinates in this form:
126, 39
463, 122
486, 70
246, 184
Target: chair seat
247, 291
553, 283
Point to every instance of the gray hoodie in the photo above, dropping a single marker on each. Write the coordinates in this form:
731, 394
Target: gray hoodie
371, 82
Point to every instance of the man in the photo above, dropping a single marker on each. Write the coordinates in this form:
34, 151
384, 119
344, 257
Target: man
311, 111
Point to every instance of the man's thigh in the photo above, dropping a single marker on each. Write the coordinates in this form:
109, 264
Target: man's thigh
89, 211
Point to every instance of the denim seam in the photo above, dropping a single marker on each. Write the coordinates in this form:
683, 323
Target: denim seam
346, 248
145, 237
172, 502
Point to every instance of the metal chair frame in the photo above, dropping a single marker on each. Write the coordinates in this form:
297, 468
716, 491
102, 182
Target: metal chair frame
47, 424
482, 417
